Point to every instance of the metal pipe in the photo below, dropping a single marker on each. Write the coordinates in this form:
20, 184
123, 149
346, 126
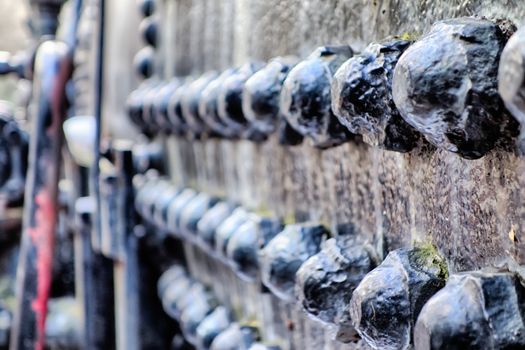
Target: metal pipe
52, 70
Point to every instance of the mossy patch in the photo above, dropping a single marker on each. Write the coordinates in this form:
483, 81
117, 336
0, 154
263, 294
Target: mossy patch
427, 255
409, 36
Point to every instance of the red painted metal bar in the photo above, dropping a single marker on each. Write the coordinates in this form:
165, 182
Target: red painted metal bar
52, 70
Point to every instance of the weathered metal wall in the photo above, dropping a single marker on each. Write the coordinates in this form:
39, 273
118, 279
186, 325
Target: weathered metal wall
472, 210
467, 207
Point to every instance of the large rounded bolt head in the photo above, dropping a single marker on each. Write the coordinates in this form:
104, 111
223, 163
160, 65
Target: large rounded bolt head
260, 98
475, 310
174, 295
226, 230
195, 312
512, 79
445, 86
245, 243
168, 277
176, 208
385, 305
326, 281
148, 109
190, 103
148, 195
284, 255
142, 190
211, 220
135, 105
306, 98
148, 29
161, 105
208, 105
147, 7
230, 98
235, 337
175, 116
212, 326
362, 98
162, 204
193, 212
143, 62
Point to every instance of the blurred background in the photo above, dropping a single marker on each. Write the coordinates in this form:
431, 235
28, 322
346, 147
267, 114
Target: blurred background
14, 36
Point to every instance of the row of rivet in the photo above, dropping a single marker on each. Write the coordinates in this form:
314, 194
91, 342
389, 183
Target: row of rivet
407, 299
443, 86
148, 28
205, 323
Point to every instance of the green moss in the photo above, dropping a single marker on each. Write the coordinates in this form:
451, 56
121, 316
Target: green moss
237, 311
410, 36
426, 254
263, 211
250, 321
289, 219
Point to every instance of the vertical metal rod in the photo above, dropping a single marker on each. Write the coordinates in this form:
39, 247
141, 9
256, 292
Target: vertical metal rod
93, 284
99, 87
126, 269
34, 274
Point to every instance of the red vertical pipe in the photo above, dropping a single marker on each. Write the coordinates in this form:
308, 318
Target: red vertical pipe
34, 274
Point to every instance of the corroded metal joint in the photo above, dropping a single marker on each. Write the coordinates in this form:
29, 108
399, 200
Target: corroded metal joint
445, 86
326, 281
285, 253
306, 99
362, 97
385, 305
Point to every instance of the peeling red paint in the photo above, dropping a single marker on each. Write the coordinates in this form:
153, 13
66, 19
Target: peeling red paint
42, 235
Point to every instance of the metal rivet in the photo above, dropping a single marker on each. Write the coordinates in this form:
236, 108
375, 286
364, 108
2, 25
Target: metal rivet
385, 305
362, 97
326, 280
445, 86
305, 97
285, 253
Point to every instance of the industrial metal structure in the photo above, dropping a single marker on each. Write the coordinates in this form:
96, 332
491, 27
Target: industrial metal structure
251, 175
